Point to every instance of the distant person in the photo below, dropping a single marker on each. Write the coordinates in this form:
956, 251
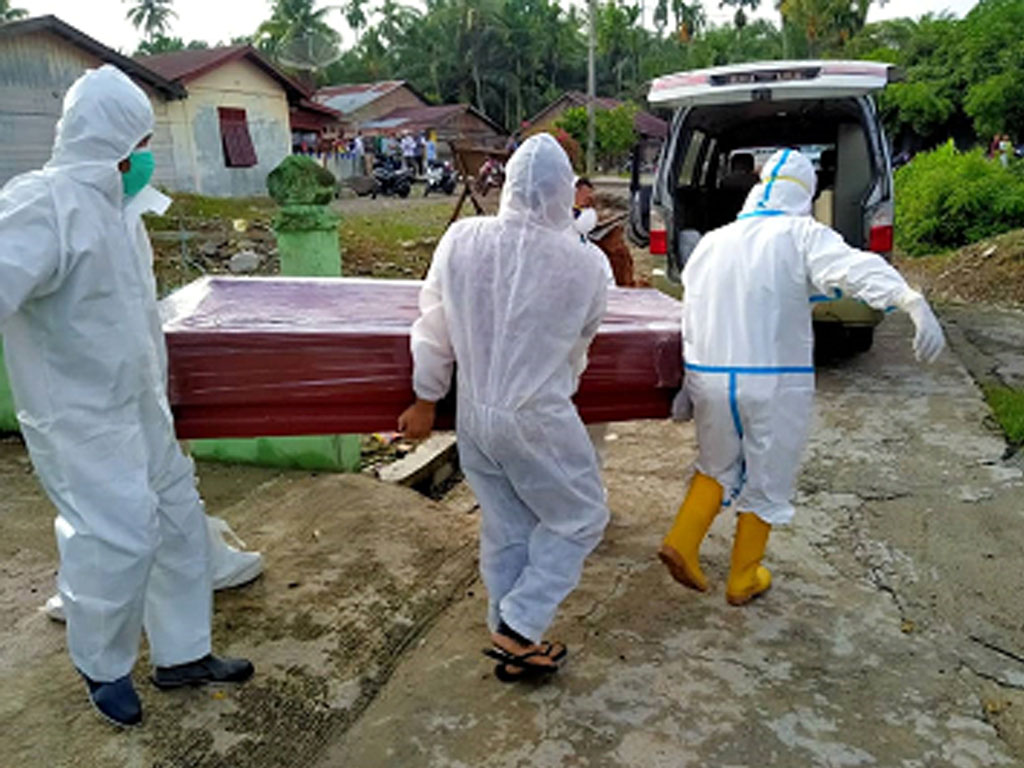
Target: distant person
503, 309
421, 149
409, 152
85, 355
358, 153
1005, 150
430, 150
748, 349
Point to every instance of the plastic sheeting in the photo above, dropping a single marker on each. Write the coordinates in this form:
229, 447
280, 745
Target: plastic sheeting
256, 357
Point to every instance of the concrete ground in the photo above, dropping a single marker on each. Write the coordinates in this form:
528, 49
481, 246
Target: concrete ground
893, 635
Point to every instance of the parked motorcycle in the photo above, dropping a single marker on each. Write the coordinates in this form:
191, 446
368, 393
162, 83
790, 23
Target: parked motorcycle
390, 178
440, 178
490, 176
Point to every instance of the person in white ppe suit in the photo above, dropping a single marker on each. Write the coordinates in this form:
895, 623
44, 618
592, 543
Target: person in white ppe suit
515, 300
747, 349
76, 312
229, 566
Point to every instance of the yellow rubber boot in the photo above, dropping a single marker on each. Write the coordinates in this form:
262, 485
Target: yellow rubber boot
747, 577
681, 548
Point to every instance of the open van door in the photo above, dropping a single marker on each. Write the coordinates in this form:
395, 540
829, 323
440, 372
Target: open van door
772, 81
639, 225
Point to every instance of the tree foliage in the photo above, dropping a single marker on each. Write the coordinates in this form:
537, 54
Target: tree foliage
614, 133
947, 198
9, 13
153, 17
962, 76
162, 44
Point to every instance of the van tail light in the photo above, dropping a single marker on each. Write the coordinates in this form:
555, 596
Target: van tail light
880, 233
880, 240
658, 233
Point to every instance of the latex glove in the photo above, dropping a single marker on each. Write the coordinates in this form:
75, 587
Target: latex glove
929, 340
682, 407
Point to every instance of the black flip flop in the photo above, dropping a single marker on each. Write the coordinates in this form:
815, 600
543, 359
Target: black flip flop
528, 670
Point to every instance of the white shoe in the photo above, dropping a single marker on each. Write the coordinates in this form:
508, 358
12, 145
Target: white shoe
229, 566
54, 608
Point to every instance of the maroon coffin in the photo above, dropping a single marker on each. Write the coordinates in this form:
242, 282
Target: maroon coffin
256, 357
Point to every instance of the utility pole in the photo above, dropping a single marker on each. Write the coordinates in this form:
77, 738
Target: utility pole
591, 85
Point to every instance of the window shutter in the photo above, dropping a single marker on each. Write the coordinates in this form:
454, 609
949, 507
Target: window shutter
239, 151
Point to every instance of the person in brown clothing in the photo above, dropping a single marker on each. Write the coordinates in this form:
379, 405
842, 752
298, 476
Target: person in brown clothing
609, 239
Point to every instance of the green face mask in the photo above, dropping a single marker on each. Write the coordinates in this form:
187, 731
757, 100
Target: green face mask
141, 171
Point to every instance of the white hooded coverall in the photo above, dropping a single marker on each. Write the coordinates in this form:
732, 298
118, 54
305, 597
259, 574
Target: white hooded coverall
747, 334
516, 300
85, 355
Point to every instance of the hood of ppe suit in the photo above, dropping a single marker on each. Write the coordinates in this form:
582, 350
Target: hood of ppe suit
105, 116
539, 184
787, 185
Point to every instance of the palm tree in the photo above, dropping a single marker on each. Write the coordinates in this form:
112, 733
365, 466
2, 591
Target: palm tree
290, 19
10, 14
151, 16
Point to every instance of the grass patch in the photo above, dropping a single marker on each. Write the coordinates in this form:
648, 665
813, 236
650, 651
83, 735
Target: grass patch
392, 243
1008, 407
197, 209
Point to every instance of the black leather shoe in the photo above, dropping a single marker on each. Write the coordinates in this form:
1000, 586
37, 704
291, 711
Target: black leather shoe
116, 701
209, 669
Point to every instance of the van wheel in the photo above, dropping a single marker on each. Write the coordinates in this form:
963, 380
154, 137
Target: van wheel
859, 339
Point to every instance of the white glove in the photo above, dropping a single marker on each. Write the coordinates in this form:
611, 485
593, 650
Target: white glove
928, 340
682, 406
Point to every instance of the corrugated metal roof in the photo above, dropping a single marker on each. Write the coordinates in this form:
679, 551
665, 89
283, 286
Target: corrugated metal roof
416, 119
352, 97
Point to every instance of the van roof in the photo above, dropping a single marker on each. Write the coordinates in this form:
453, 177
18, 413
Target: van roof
771, 80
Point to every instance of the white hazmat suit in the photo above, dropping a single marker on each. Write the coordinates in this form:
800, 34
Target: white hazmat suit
748, 351
516, 299
748, 342
86, 360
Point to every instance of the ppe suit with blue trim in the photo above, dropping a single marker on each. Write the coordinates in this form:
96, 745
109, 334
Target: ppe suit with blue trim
748, 346
516, 300
87, 364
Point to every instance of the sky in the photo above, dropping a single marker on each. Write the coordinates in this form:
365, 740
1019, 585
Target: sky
215, 21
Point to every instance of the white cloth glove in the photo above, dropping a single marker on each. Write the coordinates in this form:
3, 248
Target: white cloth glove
929, 340
682, 406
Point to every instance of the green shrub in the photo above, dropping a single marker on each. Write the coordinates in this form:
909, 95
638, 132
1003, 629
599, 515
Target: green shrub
946, 199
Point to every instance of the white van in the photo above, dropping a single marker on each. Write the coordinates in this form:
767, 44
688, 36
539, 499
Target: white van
728, 119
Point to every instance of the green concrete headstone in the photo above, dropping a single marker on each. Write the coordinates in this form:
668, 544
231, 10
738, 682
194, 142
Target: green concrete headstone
8, 415
307, 244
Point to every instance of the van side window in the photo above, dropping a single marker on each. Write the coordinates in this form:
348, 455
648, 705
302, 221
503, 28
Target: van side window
709, 167
690, 159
